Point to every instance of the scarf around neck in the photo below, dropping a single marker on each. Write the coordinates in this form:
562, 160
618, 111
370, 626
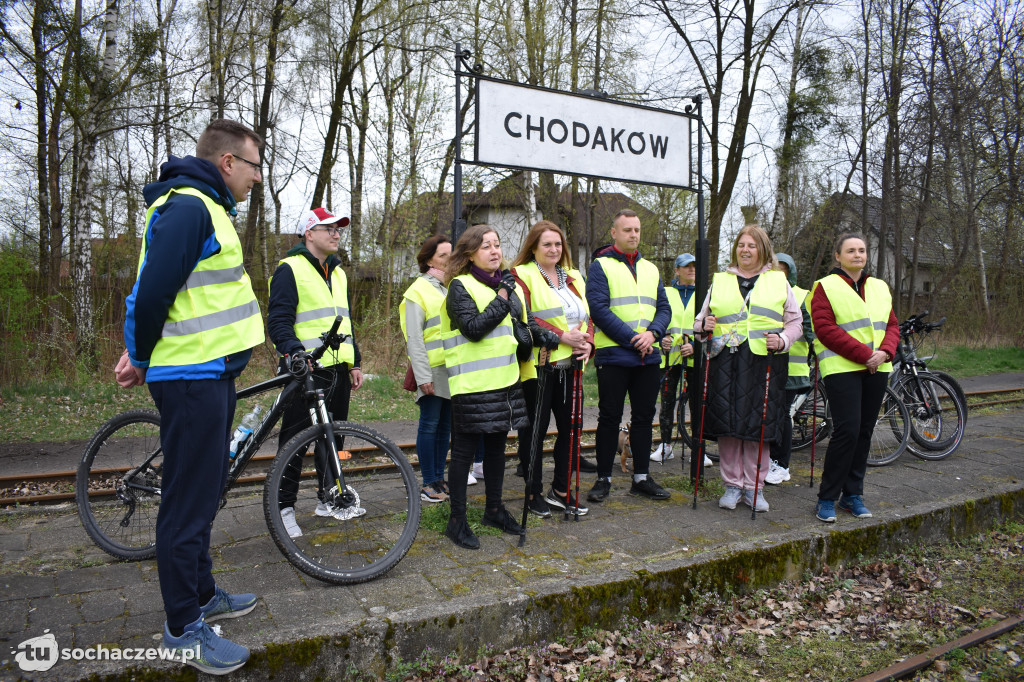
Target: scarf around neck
485, 278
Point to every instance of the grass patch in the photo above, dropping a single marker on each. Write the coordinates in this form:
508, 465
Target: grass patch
434, 517
962, 361
73, 410
710, 489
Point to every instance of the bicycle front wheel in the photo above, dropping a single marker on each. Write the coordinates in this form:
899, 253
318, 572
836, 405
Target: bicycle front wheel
350, 534
117, 487
937, 416
955, 385
892, 431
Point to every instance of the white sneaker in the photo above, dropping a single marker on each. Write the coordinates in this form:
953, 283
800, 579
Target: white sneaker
663, 453
708, 462
478, 470
290, 524
748, 499
471, 479
730, 498
776, 474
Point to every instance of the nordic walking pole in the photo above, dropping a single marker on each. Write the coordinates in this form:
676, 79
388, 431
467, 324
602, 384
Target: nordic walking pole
536, 438
683, 389
703, 404
760, 442
575, 434
814, 416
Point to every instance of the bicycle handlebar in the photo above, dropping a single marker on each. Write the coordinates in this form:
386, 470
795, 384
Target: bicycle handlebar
298, 364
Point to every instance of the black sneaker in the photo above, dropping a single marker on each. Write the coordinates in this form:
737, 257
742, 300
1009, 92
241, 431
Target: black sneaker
587, 467
600, 490
460, 533
559, 501
649, 489
520, 470
538, 507
503, 521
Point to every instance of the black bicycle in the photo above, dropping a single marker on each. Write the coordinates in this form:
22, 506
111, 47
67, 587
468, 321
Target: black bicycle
936, 402
369, 525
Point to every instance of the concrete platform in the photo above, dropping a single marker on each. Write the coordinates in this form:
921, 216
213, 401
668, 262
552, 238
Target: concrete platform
627, 557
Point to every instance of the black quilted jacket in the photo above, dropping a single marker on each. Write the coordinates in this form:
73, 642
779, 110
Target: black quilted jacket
736, 394
500, 410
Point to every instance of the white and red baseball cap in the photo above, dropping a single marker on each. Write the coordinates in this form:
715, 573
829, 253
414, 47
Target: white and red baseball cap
318, 216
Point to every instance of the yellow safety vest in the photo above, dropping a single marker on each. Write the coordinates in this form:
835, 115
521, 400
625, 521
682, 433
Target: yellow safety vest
798, 366
317, 308
752, 322
215, 313
546, 305
430, 300
634, 301
485, 365
680, 327
865, 319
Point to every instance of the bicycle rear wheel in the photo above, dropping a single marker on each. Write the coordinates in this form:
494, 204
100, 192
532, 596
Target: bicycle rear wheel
351, 546
117, 487
805, 419
937, 416
892, 431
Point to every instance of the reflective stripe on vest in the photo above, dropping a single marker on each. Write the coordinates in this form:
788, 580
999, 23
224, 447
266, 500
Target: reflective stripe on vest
215, 313
798, 366
863, 319
764, 316
634, 301
485, 365
317, 308
546, 305
680, 328
430, 300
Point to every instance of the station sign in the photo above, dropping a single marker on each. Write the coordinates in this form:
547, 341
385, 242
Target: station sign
534, 128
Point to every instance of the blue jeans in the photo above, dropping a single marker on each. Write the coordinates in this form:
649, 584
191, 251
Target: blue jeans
432, 437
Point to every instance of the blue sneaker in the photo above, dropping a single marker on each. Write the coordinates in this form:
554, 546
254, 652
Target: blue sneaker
223, 605
202, 648
826, 511
854, 505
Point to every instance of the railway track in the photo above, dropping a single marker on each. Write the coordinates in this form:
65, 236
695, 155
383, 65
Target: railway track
58, 487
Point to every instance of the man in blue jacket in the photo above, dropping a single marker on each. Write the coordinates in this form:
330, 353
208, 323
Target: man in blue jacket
631, 312
192, 321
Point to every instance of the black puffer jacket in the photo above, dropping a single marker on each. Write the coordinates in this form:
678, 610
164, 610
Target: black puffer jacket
503, 409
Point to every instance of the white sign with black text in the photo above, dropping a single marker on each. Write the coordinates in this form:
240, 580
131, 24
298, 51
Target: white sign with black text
579, 135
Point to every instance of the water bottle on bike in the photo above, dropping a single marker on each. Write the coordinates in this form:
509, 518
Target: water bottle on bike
244, 430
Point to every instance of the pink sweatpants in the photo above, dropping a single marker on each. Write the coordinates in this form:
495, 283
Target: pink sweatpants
738, 463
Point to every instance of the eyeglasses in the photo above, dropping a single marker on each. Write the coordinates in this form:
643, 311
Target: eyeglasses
257, 166
333, 231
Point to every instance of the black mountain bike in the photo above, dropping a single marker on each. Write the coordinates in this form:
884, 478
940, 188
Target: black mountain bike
117, 488
936, 402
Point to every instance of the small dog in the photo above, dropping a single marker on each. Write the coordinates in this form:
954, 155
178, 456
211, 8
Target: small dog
624, 450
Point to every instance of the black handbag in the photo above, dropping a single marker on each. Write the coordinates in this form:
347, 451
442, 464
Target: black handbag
524, 340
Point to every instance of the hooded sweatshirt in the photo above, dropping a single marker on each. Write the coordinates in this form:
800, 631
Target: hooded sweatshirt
797, 383
180, 234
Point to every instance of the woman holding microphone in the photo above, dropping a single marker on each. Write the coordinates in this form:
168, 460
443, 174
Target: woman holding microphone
555, 295
483, 373
857, 335
752, 315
